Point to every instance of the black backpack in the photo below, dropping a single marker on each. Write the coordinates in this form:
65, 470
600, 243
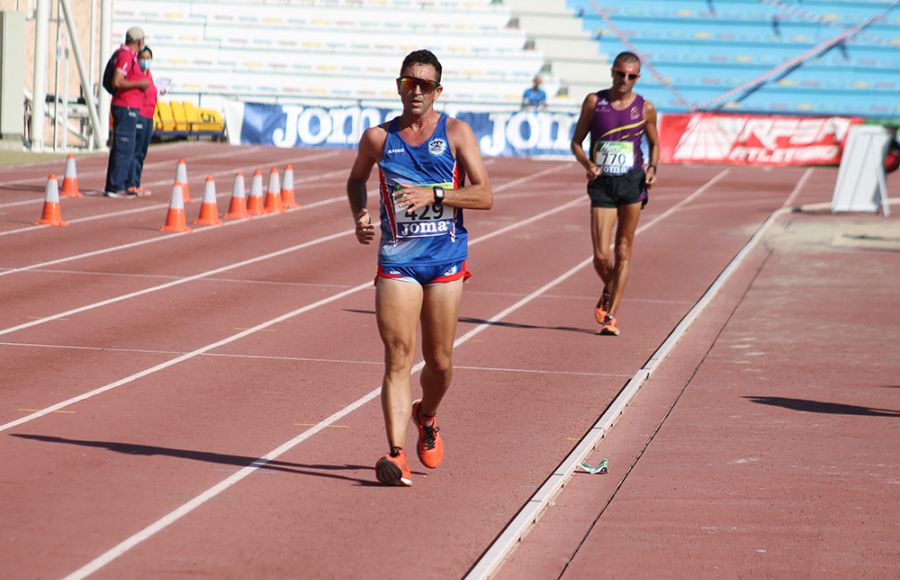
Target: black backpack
110, 72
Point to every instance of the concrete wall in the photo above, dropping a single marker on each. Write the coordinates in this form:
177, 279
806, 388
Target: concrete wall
81, 12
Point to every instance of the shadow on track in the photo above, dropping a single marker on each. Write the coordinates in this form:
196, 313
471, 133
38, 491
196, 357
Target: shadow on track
820, 407
479, 321
209, 457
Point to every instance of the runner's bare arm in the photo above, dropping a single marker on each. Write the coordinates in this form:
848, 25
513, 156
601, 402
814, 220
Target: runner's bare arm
476, 195
367, 156
650, 130
582, 127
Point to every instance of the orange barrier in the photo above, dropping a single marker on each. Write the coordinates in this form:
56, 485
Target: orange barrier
181, 178
70, 180
287, 188
209, 209
273, 193
255, 201
175, 220
50, 215
237, 208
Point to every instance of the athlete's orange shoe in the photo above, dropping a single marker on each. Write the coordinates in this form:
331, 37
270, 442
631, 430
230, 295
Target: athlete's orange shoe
609, 326
602, 308
430, 447
392, 469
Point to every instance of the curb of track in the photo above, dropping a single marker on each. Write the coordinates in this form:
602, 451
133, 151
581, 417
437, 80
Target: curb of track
491, 560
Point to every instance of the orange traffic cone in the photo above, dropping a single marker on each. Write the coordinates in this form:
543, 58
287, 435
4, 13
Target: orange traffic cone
287, 188
70, 181
181, 179
255, 201
237, 209
175, 221
51, 216
209, 210
273, 193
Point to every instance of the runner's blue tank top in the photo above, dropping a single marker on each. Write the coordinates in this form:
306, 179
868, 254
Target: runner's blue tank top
430, 235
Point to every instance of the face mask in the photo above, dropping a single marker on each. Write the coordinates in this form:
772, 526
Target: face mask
144, 64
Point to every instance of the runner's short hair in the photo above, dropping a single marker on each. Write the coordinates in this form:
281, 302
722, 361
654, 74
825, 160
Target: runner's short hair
626, 56
422, 57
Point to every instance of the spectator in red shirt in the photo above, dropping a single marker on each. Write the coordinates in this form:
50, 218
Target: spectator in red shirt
144, 126
129, 84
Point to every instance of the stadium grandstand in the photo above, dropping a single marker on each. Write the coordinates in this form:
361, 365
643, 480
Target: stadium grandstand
816, 57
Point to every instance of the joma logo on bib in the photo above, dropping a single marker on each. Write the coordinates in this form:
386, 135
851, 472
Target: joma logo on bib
428, 228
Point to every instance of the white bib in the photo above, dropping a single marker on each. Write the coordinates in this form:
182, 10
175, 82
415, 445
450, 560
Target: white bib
614, 157
431, 220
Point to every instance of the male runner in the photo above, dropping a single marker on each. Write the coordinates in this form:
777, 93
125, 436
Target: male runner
424, 159
618, 118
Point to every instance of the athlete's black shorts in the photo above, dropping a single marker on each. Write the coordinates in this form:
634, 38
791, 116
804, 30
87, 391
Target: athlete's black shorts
618, 190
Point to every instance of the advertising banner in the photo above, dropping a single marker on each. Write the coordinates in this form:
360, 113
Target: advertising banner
753, 139
499, 133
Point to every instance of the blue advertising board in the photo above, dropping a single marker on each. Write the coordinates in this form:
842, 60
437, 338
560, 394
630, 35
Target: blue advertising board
499, 133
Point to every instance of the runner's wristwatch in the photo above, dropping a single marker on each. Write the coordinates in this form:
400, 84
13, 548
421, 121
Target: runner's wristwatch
439, 195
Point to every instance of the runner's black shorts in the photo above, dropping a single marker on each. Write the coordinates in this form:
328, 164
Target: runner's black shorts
617, 190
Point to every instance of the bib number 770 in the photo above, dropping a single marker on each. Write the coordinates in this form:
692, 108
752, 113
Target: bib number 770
614, 157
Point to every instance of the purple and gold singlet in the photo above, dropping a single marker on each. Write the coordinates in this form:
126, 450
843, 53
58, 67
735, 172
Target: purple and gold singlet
433, 234
616, 135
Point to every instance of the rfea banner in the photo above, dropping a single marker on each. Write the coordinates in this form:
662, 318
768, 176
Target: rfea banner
753, 139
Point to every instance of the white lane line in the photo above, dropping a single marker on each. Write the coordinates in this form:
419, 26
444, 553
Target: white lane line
157, 206
173, 283
104, 274
799, 187
264, 325
184, 357
97, 172
270, 255
167, 237
528, 516
212, 492
305, 359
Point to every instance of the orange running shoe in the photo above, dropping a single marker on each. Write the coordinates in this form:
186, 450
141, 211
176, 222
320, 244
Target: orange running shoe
392, 469
609, 326
602, 308
430, 447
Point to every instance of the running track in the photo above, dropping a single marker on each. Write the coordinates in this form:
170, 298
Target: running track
207, 403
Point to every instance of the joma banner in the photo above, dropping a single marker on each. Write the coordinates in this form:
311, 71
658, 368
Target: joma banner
753, 139
499, 133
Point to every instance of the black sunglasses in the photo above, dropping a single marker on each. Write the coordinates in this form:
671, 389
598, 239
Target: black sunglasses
626, 75
410, 83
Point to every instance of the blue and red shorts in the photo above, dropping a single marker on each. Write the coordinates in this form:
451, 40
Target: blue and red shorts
425, 275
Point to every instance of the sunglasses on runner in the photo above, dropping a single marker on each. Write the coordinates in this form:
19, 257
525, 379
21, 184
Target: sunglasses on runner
626, 75
410, 83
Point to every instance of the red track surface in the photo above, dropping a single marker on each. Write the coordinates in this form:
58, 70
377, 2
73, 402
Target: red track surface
189, 380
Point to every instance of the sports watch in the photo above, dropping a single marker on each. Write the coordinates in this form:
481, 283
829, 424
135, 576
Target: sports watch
439, 195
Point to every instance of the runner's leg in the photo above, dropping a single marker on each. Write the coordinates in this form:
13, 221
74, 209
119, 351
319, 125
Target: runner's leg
628, 220
397, 308
602, 221
440, 310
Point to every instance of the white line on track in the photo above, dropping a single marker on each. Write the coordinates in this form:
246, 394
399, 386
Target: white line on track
167, 237
173, 283
528, 516
261, 326
154, 164
223, 485
165, 182
304, 359
268, 256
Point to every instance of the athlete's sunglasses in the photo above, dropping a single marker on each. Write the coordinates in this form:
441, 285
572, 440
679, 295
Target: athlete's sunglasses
622, 74
410, 83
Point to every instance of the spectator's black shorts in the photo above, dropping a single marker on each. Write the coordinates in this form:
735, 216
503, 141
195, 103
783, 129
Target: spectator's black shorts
618, 190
